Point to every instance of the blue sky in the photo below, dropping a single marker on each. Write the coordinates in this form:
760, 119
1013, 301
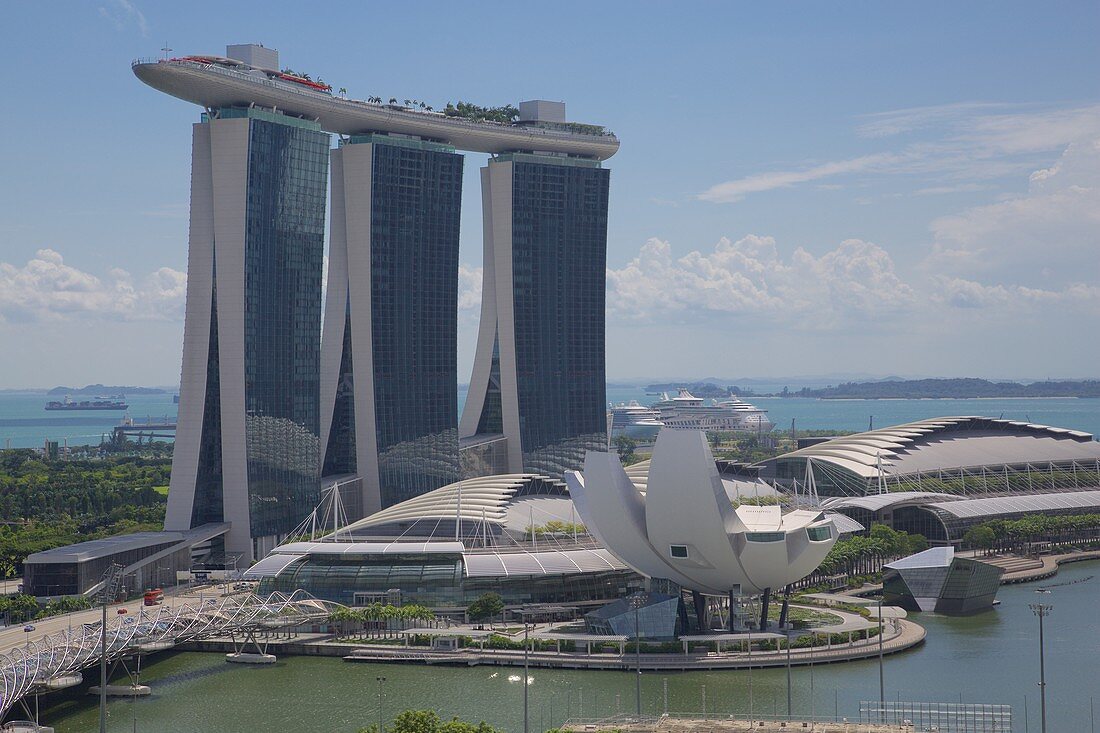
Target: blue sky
804, 188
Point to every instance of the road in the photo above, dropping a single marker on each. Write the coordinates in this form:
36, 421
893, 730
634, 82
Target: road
12, 637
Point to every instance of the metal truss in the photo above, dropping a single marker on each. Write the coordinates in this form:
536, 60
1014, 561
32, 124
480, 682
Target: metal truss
45, 664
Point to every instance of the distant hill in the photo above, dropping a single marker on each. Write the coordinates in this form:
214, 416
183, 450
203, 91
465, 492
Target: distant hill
950, 388
106, 390
705, 389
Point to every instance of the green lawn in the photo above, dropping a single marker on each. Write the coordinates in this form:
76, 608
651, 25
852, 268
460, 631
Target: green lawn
162, 490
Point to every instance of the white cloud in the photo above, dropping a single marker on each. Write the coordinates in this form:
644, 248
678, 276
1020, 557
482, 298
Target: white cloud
121, 13
46, 289
855, 281
1051, 234
962, 143
900, 121
1013, 300
736, 190
469, 288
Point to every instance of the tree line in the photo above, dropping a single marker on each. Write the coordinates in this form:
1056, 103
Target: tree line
49, 503
1022, 535
376, 619
866, 554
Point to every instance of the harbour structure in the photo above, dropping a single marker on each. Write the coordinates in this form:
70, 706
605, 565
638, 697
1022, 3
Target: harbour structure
561, 199
683, 529
388, 363
537, 387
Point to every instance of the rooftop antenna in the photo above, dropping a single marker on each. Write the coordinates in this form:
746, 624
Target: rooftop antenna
871, 423
166, 50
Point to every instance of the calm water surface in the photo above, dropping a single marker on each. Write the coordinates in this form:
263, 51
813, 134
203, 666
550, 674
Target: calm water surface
990, 658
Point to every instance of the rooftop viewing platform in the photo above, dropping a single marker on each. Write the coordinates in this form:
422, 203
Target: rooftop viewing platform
216, 82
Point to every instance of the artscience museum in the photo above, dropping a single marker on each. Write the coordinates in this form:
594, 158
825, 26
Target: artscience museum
684, 530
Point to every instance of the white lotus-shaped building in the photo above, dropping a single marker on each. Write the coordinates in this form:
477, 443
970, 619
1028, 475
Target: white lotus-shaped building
685, 529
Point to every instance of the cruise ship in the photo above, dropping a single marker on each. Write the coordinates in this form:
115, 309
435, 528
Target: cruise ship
685, 410
633, 420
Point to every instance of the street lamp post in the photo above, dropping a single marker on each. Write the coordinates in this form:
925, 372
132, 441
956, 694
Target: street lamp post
881, 673
1042, 610
788, 676
750, 679
380, 680
636, 602
526, 631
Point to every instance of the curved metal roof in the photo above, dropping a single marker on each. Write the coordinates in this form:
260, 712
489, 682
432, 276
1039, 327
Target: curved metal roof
878, 502
213, 86
1030, 503
474, 499
951, 443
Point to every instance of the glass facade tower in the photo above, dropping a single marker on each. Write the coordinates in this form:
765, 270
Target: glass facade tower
390, 353
247, 447
539, 370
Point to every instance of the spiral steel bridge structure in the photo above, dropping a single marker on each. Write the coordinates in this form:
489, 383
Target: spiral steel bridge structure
54, 661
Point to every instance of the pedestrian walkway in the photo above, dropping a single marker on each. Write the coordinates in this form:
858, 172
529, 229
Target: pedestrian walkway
685, 724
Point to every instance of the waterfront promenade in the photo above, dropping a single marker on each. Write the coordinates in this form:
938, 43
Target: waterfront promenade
1024, 569
906, 636
681, 724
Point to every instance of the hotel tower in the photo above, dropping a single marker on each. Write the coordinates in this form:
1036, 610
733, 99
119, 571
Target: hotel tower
270, 413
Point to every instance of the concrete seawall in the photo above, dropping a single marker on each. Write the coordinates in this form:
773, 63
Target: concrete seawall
909, 636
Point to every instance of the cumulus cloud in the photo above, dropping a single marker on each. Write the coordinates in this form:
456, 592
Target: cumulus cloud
469, 288
47, 289
856, 280
1014, 299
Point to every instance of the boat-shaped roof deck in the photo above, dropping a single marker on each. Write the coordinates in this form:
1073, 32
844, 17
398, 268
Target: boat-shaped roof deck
214, 85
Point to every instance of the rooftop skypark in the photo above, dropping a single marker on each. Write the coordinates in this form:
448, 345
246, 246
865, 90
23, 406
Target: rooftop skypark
217, 82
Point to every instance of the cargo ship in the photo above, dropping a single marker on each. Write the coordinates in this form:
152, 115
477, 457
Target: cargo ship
96, 404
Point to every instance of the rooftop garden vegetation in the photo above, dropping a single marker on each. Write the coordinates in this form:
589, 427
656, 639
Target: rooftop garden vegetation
505, 115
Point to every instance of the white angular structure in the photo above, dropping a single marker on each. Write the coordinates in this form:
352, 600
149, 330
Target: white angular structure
683, 528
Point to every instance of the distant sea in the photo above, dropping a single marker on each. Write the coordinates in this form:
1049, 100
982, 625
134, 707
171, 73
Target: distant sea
24, 423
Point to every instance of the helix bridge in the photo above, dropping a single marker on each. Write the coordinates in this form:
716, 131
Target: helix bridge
54, 662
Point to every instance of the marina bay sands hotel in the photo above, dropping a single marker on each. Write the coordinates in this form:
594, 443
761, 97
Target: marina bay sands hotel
272, 408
